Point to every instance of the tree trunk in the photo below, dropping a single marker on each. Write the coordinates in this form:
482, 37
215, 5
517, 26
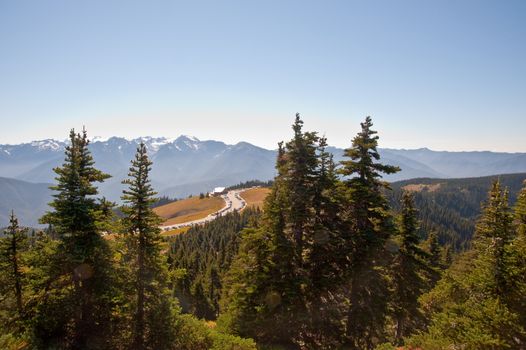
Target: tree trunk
399, 330
16, 273
139, 321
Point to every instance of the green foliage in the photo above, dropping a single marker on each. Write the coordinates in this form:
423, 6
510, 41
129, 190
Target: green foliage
76, 212
304, 276
250, 183
13, 279
408, 273
478, 304
73, 312
451, 207
202, 256
151, 303
71, 288
515, 261
326, 265
195, 335
10, 342
369, 220
520, 212
279, 284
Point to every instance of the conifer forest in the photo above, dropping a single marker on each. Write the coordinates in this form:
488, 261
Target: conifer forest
335, 258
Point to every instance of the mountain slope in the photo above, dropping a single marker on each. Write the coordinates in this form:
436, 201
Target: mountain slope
182, 166
451, 206
186, 165
465, 164
29, 200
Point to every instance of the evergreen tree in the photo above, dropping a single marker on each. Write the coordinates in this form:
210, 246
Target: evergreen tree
520, 212
494, 232
516, 263
434, 258
470, 306
287, 304
434, 249
300, 184
152, 316
369, 225
12, 247
408, 272
326, 261
75, 312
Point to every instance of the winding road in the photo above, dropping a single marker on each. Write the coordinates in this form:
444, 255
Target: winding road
233, 202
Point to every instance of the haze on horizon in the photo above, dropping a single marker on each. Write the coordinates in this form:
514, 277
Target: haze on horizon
445, 75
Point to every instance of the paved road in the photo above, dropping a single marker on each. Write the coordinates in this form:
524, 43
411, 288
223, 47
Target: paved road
233, 201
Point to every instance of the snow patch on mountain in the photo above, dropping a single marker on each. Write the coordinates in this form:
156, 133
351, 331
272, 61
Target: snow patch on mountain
48, 144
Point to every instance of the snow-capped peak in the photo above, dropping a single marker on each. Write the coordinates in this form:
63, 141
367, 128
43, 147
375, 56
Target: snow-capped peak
48, 144
99, 139
189, 141
191, 138
154, 143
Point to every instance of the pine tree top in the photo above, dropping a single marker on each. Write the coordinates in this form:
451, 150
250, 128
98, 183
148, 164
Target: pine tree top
363, 155
496, 219
76, 210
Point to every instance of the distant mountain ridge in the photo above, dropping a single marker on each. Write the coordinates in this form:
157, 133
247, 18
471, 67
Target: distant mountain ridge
28, 200
182, 165
186, 165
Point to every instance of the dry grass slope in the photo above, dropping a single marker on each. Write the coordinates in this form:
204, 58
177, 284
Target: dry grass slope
255, 196
422, 187
189, 209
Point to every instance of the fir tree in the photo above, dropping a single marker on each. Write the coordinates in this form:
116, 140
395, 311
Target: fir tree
369, 225
408, 272
520, 212
75, 313
289, 251
12, 246
434, 249
152, 316
300, 185
470, 306
494, 232
434, 259
516, 263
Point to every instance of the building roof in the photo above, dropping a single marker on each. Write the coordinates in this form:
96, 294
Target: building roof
218, 189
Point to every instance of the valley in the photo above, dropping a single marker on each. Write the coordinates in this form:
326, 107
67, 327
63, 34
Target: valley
197, 211
183, 214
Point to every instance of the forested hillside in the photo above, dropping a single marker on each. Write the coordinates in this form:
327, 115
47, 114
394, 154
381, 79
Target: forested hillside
201, 257
77, 287
335, 260
451, 207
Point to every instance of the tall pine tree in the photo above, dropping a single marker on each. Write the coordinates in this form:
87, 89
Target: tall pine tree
281, 259
152, 305
408, 273
369, 226
516, 263
470, 306
75, 312
12, 278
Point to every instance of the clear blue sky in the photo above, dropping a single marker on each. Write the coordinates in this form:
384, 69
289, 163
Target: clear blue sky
448, 75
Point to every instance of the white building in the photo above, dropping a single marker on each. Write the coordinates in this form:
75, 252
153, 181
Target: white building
218, 191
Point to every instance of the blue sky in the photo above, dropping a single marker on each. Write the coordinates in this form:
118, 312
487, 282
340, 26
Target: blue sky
448, 75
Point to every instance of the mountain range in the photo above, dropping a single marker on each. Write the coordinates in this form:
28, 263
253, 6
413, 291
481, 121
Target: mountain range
186, 165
